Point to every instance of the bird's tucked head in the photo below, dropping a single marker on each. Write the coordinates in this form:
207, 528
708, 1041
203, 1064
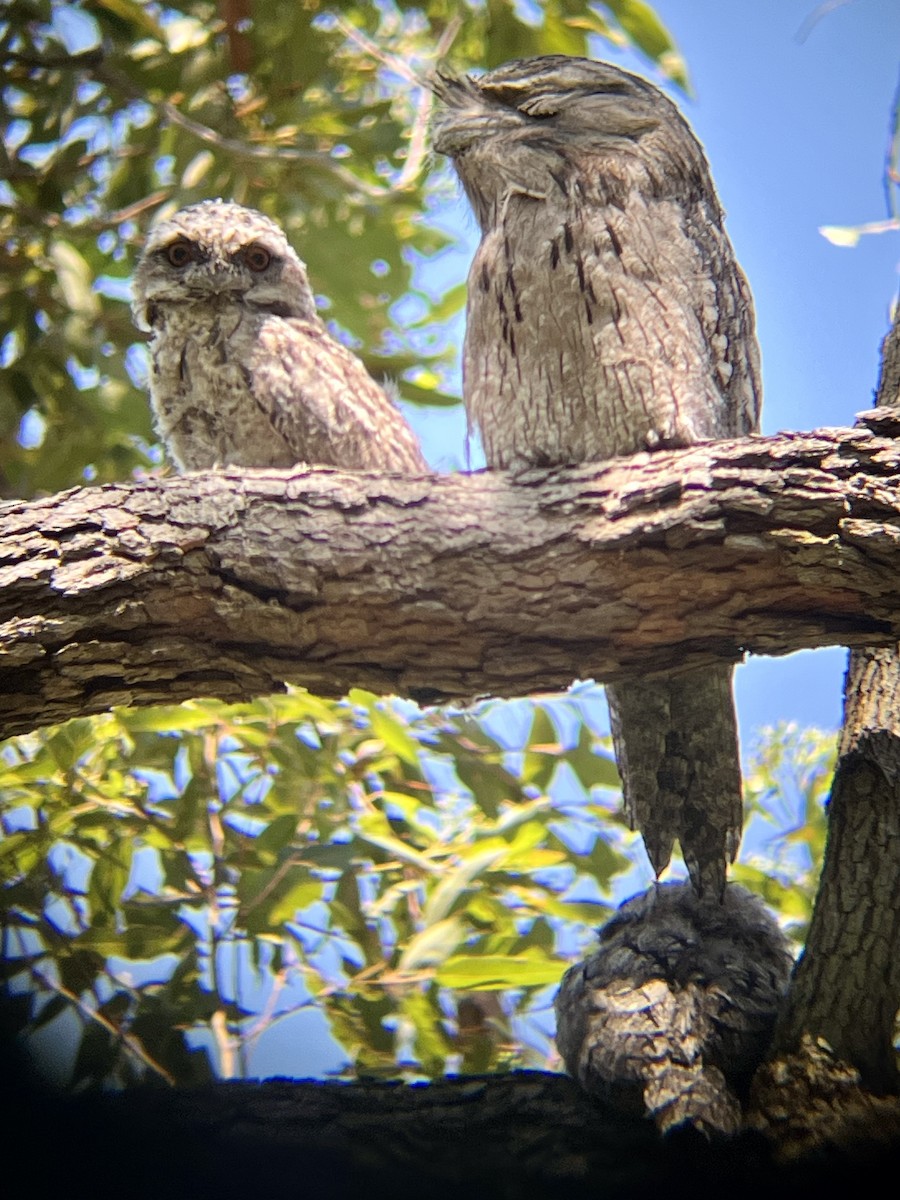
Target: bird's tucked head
217, 253
521, 124
574, 97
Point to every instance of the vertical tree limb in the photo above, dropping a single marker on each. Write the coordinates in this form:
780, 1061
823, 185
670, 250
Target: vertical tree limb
834, 1055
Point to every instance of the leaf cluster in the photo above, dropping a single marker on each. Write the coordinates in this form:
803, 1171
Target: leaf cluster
179, 881
785, 795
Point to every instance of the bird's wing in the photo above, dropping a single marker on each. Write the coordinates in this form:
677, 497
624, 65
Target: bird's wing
322, 401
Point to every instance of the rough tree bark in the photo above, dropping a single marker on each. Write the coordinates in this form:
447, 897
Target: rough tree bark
230, 583
525, 1136
834, 1046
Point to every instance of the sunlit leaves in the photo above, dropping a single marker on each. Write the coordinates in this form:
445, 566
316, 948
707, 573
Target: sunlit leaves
497, 971
785, 793
216, 867
336, 843
641, 25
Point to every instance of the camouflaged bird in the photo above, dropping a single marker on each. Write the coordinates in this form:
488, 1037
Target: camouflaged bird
607, 315
243, 370
675, 1010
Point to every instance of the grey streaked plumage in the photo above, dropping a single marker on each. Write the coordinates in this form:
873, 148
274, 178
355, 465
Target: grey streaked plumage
243, 370
675, 1010
607, 315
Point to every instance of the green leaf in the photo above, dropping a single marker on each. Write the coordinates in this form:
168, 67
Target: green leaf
647, 32
135, 14
593, 762
432, 945
491, 972
374, 828
278, 834
483, 774
287, 902
75, 280
516, 815
432, 1045
107, 883
395, 736
456, 882
269, 898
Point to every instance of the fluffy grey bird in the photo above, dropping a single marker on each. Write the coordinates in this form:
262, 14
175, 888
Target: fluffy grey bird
607, 315
243, 370
675, 1010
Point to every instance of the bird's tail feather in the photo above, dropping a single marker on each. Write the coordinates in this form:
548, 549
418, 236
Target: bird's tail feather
677, 751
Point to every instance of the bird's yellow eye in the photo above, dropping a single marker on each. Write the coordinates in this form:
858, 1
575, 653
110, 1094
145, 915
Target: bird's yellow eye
257, 257
180, 253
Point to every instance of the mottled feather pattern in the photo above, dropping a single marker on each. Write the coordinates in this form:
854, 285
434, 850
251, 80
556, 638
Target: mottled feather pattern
675, 1009
243, 371
607, 315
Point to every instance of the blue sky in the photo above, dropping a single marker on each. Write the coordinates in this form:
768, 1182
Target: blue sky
796, 132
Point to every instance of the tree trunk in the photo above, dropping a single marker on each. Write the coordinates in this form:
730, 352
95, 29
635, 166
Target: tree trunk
834, 1048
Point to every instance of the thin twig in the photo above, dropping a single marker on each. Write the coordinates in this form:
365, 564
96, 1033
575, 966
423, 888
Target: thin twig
277, 875
392, 61
241, 149
892, 158
171, 114
418, 135
91, 1014
820, 11
225, 1044
265, 1018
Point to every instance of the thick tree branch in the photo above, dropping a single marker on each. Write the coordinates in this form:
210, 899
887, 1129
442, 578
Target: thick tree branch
522, 1136
230, 583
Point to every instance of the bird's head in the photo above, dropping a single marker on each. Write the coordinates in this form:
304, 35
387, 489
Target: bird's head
574, 97
215, 252
518, 125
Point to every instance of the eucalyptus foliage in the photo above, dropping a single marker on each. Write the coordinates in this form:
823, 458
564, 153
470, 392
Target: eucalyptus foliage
361, 886
177, 880
180, 882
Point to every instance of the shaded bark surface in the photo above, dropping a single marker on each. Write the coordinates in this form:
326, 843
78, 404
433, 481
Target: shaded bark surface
846, 988
833, 1055
524, 1136
232, 583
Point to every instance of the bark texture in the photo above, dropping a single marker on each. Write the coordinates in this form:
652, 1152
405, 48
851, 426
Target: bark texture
847, 987
232, 583
834, 1055
525, 1136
